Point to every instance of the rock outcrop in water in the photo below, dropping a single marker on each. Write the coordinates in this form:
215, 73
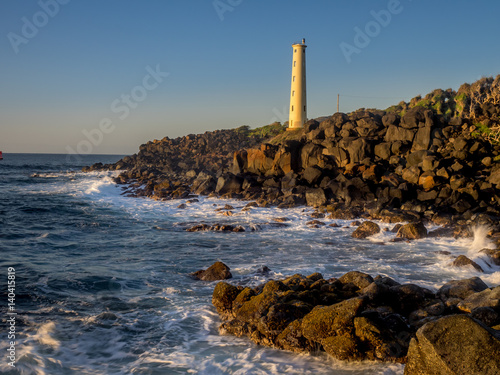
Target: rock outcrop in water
358, 317
436, 158
217, 271
366, 229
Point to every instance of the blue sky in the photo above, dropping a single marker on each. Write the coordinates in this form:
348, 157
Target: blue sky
228, 63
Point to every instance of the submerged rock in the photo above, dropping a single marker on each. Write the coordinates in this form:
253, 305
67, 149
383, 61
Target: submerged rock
463, 261
216, 228
366, 229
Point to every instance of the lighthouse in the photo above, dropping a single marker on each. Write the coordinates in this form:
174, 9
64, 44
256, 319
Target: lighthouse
298, 100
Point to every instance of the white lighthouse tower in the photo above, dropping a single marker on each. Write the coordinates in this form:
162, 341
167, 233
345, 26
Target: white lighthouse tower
298, 100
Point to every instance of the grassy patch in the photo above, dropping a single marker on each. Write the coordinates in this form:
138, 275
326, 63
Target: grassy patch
267, 131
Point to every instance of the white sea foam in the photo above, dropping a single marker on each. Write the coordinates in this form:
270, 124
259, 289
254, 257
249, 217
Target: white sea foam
480, 239
44, 335
375, 255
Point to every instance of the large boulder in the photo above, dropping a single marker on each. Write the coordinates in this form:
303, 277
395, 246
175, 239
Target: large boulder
287, 158
366, 229
334, 320
359, 279
359, 149
454, 345
412, 231
463, 261
417, 157
406, 298
229, 184
485, 298
461, 288
383, 150
217, 271
417, 117
422, 139
240, 161
390, 119
256, 307
292, 339
223, 296
494, 177
204, 184
315, 197
377, 341
398, 134
311, 155
411, 174
260, 160
312, 175
340, 155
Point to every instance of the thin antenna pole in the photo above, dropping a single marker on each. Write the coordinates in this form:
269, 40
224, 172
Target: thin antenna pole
338, 100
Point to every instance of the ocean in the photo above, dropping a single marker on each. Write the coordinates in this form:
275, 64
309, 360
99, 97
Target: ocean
103, 286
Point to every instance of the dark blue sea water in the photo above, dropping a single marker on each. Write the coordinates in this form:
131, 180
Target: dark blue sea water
103, 285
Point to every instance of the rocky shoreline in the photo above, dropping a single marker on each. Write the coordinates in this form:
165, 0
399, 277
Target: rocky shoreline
435, 160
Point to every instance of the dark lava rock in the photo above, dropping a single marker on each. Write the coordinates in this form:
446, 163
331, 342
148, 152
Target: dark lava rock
396, 228
412, 231
315, 197
461, 288
455, 344
334, 320
281, 219
315, 223
223, 296
199, 228
463, 261
355, 317
485, 298
400, 166
359, 279
486, 315
216, 228
366, 229
217, 271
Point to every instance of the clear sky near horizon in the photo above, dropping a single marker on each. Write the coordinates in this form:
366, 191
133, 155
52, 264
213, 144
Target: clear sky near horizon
97, 77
